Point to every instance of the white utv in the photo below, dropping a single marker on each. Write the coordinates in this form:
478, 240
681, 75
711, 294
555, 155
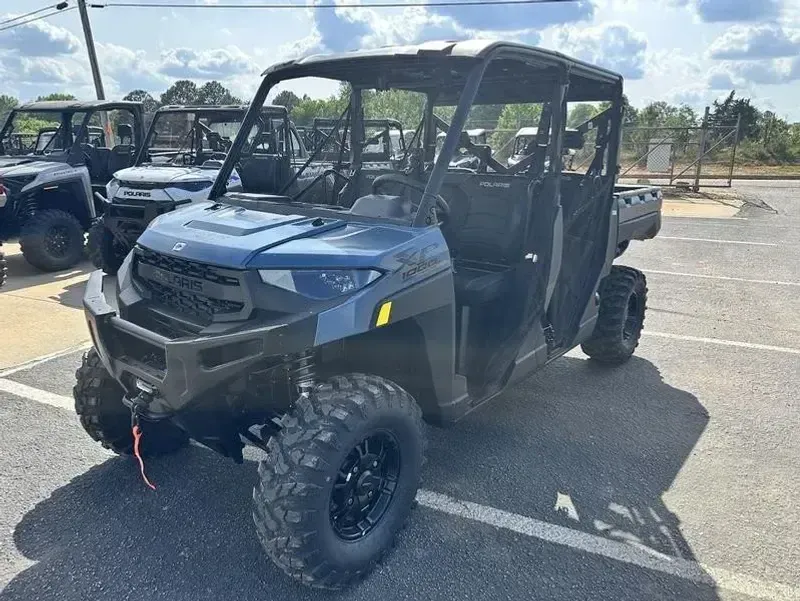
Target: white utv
179, 161
46, 186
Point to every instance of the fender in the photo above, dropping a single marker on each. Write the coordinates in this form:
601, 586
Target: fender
76, 177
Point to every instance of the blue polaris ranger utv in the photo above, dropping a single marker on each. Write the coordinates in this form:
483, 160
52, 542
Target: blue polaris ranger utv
326, 332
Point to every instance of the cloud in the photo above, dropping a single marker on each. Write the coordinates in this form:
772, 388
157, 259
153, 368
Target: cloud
44, 70
612, 45
748, 73
719, 11
746, 42
515, 18
340, 29
129, 69
219, 63
39, 39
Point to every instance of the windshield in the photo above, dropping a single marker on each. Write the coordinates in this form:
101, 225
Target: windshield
190, 137
40, 133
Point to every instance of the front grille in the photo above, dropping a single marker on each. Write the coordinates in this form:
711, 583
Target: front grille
195, 306
184, 267
221, 294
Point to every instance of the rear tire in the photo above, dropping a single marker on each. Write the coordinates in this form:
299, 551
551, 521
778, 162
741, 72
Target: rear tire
623, 302
340, 480
98, 403
103, 251
52, 240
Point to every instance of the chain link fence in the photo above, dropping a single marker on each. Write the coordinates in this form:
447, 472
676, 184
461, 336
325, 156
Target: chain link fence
688, 157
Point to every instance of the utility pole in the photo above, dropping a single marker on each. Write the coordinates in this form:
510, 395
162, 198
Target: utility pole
87, 32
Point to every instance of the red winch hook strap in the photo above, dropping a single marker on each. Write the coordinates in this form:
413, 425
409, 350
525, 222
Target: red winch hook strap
137, 436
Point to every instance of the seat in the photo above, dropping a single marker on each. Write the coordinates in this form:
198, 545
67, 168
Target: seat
119, 158
485, 234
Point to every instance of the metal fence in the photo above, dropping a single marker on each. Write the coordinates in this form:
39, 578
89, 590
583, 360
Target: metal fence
688, 157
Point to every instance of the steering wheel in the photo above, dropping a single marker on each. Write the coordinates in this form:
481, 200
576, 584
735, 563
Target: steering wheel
409, 182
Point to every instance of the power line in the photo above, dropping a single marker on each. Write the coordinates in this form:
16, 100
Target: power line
55, 12
287, 5
59, 6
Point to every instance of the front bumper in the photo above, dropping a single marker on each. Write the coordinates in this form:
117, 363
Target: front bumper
177, 372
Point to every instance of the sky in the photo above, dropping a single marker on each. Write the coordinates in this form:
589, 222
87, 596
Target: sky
681, 51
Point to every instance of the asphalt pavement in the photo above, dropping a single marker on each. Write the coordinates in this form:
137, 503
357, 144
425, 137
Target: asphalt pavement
672, 477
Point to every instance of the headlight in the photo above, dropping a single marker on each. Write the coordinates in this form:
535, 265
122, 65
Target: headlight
111, 188
319, 284
191, 186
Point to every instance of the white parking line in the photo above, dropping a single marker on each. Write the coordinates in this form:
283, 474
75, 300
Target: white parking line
637, 555
720, 341
715, 241
684, 217
722, 277
36, 394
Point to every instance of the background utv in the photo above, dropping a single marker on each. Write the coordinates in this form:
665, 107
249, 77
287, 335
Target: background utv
324, 333
47, 188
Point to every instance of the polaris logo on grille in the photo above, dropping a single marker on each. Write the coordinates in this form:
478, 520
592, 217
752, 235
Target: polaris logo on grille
177, 281
137, 193
179, 246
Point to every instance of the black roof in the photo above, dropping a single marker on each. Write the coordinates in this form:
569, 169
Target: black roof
517, 73
76, 105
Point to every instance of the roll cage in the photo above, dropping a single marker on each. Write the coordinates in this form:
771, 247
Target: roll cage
66, 137
461, 74
379, 145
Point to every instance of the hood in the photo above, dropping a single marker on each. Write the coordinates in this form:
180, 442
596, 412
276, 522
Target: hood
13, 166
234, 237
152, 174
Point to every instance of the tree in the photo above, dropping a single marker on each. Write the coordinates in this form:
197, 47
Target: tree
727, 111
213, 92
182, 91
6, 104
56, 96
512, 118
150, 103
580, 113
287, 98
407, 107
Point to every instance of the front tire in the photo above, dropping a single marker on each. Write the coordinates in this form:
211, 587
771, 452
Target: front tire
98, 403
623, 302
52, 240
104, 252
340, 480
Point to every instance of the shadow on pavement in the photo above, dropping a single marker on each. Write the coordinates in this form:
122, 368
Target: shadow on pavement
104, 536
589, 447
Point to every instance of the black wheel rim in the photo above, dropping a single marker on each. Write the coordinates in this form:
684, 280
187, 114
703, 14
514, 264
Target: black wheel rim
57, 241
632, 317
365, 486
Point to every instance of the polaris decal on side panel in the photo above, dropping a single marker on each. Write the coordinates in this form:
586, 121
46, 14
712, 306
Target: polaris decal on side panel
486, 184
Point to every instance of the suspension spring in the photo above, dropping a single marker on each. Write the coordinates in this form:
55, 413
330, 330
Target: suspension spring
303, 373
